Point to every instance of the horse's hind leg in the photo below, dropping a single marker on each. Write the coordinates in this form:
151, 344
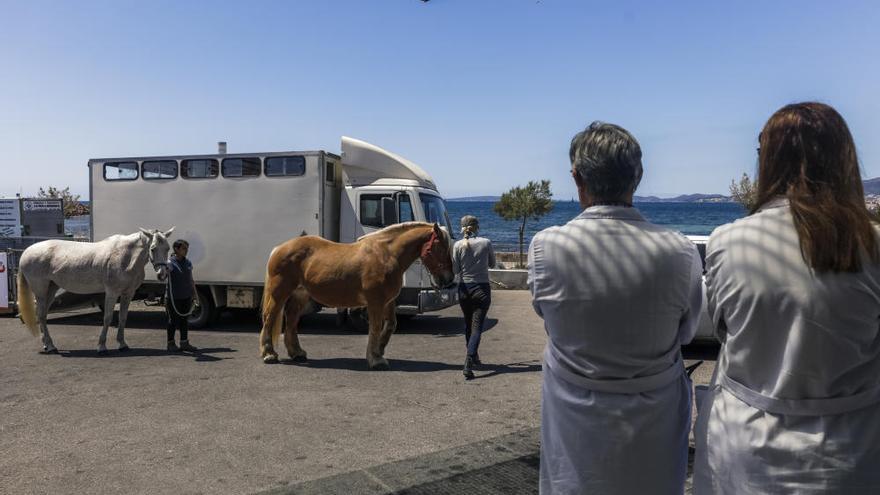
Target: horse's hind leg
273, 309
374, 352
109, 307
390, 325
124, 301
45, 297
294, 308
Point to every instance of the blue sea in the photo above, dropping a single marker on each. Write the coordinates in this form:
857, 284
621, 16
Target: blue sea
687, 218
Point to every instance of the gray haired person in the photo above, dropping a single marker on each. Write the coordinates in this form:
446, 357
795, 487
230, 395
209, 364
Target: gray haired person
618, 296
472, 257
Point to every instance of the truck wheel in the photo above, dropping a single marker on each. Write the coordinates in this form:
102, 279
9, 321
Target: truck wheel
204, 315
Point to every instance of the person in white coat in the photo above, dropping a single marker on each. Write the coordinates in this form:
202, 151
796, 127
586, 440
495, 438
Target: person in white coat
618, 296
794, 292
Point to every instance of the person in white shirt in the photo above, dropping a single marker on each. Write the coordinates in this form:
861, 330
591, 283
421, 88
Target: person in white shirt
794, 293
618, 296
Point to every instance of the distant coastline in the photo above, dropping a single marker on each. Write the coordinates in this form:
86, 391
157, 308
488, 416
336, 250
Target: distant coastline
684, 198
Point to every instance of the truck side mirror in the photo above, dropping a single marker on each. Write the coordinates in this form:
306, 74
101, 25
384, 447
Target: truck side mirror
389, 212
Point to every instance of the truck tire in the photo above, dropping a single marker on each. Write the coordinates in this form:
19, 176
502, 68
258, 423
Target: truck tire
203, 316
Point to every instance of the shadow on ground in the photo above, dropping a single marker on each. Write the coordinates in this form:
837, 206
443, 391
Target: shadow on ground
247, 321
507, 465
202, 354
414, 366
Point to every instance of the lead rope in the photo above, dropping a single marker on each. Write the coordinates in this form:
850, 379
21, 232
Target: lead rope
192, 306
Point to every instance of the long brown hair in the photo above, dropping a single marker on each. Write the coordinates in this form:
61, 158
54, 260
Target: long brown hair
807, 154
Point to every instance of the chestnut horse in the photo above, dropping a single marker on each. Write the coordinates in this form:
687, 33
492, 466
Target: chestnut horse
368, 273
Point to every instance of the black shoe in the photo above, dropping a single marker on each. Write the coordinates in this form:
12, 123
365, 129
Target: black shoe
186, 347
172, 347
466, 371
476, 359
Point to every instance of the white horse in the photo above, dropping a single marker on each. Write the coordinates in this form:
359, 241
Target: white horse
114, 266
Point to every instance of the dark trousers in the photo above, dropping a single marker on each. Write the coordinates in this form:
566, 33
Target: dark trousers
474, 300
175, 321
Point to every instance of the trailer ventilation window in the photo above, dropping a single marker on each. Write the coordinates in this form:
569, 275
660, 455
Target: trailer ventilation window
199, 169
279, 166
121, 171
240, 167
160, 169
330, 173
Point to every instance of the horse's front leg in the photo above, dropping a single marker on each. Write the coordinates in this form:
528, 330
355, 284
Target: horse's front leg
390, 325
375, 360
124, 301
109, 306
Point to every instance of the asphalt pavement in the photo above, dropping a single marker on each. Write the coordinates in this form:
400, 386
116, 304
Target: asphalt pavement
221, 421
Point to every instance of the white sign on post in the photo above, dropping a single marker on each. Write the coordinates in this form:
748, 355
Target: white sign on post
42, 205
4, 282
10, 218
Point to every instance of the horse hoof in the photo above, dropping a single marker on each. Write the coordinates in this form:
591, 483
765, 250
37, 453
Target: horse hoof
380, 367
270, 359
302, 358
102, 352
124, 349
50, 351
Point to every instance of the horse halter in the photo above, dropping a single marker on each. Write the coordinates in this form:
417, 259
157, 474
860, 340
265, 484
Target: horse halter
428, 259
156, 264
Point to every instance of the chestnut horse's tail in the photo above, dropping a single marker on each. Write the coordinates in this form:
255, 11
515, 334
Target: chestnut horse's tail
269, 307
26, 307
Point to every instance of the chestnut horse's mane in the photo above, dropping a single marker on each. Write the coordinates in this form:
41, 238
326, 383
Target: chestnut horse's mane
397, 229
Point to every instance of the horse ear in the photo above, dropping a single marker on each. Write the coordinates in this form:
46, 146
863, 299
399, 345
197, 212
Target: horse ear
437, 228
168, 233
146, 233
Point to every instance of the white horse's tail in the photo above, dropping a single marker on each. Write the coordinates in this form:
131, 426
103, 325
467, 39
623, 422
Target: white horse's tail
26, 307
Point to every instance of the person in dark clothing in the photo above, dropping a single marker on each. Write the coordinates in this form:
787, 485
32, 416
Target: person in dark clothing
180, 290
471, 259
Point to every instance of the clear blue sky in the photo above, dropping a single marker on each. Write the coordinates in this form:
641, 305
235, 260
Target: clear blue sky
485, 95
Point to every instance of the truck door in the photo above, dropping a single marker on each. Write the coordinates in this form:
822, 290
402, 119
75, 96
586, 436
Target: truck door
373, 206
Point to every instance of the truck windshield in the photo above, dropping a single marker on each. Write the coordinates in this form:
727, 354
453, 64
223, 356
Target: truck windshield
435, 211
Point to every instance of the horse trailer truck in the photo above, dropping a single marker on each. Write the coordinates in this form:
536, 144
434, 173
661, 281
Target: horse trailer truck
234, 208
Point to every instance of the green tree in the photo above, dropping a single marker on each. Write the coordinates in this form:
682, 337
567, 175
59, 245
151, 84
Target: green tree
71, 201
522, 203
745, 192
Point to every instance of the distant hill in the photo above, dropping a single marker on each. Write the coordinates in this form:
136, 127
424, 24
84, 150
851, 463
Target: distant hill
475, 198
872, 186
685, 198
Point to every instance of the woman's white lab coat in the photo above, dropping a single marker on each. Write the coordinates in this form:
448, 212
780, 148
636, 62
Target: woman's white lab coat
794, 406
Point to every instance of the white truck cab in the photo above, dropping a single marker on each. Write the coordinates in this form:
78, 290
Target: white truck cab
381, 188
